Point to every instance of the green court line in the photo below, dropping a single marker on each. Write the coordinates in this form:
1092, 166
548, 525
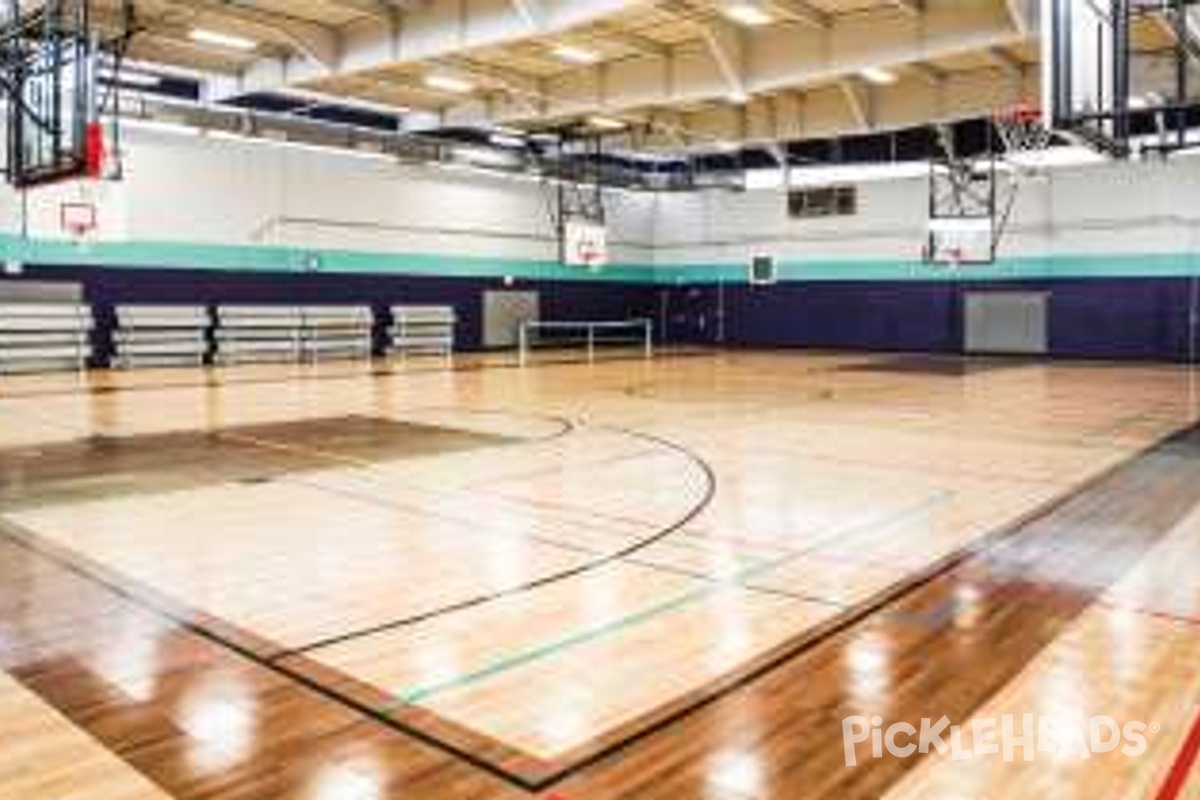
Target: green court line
557, 646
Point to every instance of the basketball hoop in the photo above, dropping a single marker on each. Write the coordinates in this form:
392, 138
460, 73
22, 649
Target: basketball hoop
590, 257
585, 244
1023, 132
78, 219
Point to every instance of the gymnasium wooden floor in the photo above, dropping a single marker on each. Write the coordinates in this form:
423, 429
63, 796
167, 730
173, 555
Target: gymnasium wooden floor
667, 580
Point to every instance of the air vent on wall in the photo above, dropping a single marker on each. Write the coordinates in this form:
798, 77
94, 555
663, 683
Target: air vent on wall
823, 201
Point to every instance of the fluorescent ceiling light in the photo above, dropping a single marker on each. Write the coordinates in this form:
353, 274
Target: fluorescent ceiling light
738, 98
1051, 157
576, 55
160, 126
485, 157
204, 36
356, 103
130, 78
606, 123
763, 179
448, 83
879, 75
506, 139
746, 13
859, 173
834, 174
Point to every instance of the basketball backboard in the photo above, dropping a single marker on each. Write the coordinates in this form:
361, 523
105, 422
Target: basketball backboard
1119, 71
1079, 58
585, 243
50, 60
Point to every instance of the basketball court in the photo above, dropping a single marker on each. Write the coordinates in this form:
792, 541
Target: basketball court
595, 399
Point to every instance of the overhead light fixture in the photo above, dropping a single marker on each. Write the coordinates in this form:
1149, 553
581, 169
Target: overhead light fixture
129, 78
1052, 157
879, 76
507, 139
738, 98
355, 103
575, 55
749, 14
448, 83
204, 36
1141, 102
161, 126
606, 123
485, 157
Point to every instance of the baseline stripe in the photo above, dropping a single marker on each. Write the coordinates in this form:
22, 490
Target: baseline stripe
1177, 778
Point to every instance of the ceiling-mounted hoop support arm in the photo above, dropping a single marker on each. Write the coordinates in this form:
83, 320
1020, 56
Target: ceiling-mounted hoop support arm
48, 70
109, 102
1111, 107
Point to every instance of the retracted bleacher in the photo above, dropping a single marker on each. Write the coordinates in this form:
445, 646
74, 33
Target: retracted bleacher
160, 336
248, 334
45, 336
423, 330
342, 332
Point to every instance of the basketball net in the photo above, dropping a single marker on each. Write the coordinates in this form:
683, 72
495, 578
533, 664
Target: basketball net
78, 218
951, 262
1023, 132
589, 256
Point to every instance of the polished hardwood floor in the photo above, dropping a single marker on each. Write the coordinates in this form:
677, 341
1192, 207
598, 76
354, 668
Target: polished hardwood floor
667, 579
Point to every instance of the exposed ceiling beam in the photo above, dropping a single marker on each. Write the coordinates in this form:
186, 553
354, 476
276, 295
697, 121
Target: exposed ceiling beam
802, 12
727, 46
1182, 30
532, 12
317, 42
858, 101
910, 7
444, 29
1021, 12
642, 45
765, 61
1005, 60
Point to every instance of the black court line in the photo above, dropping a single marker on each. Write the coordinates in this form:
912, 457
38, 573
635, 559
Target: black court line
863, 611
710, 491
805, 642
28, 541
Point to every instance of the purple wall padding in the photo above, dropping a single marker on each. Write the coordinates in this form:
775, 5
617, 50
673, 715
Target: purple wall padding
1117, 318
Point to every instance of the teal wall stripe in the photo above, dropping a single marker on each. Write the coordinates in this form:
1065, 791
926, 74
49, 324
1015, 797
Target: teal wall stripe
181, 255
1131, 265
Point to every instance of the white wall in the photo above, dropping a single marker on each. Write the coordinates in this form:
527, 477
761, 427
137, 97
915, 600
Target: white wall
1110, 208
209, 190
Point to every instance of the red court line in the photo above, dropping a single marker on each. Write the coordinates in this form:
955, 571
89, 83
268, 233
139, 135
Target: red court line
1149, 612
1177, 778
